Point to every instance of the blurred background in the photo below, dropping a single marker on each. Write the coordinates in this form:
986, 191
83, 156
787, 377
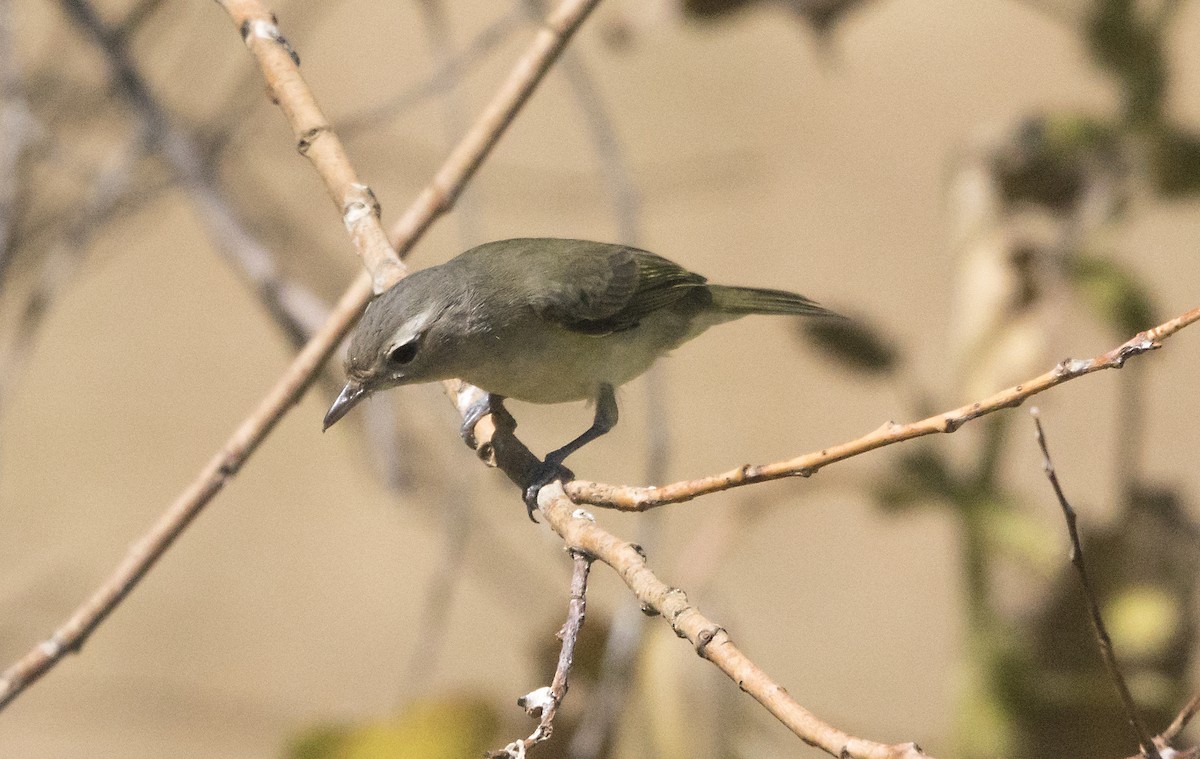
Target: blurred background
986, 187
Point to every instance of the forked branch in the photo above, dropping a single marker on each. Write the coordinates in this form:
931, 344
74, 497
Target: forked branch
316, 140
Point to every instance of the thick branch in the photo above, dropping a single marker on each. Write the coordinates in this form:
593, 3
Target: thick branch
360, 212
631, 498
315, 138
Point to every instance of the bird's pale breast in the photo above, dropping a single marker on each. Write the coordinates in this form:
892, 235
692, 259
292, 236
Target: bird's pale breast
545, 363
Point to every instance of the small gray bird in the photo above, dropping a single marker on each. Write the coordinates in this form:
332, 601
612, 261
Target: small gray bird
543, 320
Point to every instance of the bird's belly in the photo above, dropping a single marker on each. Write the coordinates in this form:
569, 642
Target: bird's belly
561, 365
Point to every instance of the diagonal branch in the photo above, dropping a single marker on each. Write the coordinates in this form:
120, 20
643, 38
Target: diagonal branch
581, 533
1181, 720
18, 131
296, 309
447, 75
631, 498
1145, 742
317, 141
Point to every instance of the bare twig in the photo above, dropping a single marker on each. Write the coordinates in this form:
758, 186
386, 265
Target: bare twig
137, 16
1181, 720
1145, 742
107, 190
315, 140
630, 498
295, 308
580, 532
17, 131
437, 26
543, 703
605, 141
711, 642
443, 79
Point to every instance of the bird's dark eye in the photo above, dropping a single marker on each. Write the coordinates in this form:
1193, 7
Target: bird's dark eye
403, 354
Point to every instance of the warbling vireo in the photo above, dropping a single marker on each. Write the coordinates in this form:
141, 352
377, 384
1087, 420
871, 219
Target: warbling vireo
543, 320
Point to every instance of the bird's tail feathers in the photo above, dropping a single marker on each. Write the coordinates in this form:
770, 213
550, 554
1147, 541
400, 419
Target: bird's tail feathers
759, 300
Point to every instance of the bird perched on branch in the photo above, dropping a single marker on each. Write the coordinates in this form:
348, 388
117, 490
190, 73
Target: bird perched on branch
543, 320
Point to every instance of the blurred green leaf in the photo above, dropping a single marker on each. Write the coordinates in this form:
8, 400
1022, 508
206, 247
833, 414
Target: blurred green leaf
1114, 294
1176, 163
919, 476
852, 343
1126, 37
820, 15
709, 9
1050, 161
1143, 621
1027, 540
433, 729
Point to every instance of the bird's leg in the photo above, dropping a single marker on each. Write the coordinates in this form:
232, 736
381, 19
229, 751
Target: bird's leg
488, 404
552, 468
606, 419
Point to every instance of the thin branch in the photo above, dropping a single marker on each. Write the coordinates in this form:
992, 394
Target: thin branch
136, 17
543, 703
630, 498
444, 78
556, 29
142, 555
605, 141
317, 142
18, 130
107, 190
437, 27
1145, 742
1181, 720
711, 642
295, 308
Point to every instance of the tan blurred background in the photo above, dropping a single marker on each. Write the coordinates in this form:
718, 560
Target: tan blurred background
762, 153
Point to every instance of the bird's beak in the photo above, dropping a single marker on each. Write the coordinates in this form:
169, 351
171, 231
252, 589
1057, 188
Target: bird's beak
351, 394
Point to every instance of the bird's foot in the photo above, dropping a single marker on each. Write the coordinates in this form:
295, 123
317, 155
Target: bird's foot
543, 474
488, 404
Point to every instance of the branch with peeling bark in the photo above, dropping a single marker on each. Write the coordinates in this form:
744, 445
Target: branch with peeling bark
630, 498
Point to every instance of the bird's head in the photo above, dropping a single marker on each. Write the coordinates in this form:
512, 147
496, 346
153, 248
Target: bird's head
405, 336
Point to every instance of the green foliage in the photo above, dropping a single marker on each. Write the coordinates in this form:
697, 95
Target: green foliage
1115, 295
1053, 159
433, 729
920, 476
1176, 163
1127, 40
852, 343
